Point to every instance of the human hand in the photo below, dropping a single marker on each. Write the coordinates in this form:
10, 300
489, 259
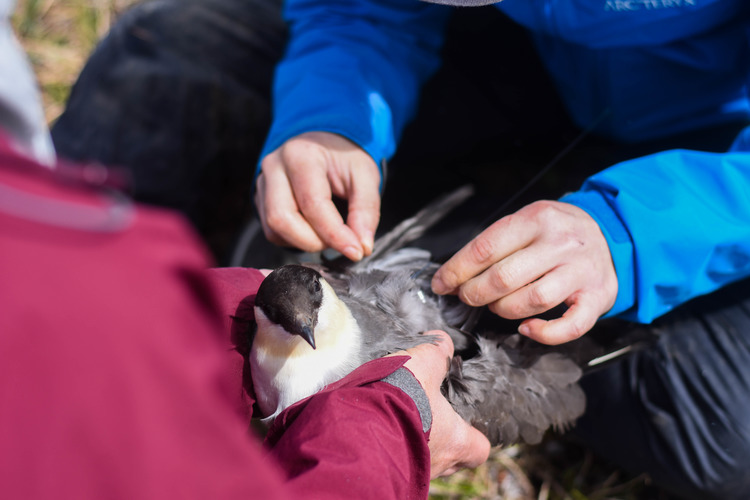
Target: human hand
454, 444
294, 195
545, 254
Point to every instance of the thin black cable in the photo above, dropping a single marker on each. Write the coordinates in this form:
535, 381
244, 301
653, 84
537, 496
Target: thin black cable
559, 156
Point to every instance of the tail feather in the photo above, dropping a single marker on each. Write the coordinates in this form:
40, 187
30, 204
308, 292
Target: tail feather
412, 228
511, 403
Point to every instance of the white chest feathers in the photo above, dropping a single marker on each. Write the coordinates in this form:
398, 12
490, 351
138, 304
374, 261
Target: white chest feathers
286, 369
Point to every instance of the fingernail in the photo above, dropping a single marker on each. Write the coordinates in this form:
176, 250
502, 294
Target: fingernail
352, 253
438, 286
368, 243
524, 330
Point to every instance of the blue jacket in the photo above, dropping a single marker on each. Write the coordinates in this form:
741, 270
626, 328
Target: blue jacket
677, 222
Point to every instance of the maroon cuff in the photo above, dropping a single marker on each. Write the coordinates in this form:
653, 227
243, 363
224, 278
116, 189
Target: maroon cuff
360, 434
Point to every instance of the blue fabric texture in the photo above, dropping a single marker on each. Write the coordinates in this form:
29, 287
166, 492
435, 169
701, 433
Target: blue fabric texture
355, 69
677, 222
687, 215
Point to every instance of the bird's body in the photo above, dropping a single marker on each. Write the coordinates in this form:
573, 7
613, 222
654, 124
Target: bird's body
376, 298
316, 324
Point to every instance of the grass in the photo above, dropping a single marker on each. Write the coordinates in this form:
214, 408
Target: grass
59, 35
553, 470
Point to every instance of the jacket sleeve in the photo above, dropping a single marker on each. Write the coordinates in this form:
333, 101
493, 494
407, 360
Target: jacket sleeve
677, 224
361, 434
354, 67
113, 368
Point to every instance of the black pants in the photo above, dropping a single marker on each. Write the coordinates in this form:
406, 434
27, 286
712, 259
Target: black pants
178, 94
680, 410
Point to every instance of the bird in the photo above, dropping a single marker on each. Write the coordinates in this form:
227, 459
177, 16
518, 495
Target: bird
317, 322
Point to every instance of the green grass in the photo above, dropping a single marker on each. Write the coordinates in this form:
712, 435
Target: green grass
58, 36
553, 470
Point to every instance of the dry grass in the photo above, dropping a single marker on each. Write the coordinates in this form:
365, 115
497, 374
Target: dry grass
554, 470
59, 35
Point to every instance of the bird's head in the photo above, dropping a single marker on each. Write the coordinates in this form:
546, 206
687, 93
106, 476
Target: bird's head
291, 297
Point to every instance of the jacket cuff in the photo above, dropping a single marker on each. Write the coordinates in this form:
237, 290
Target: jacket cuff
362, 434
407, 382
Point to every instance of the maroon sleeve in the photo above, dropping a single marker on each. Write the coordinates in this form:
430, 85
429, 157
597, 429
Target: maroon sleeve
313, 439
113, 380
235, 289
113, 366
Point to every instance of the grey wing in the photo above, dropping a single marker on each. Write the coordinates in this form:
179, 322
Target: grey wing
389, 309
399, 286
417, 265
383, 333
510, 402
404, 233
412, 228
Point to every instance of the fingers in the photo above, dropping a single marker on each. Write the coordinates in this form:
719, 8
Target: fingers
580, 317
296, 208
312, 192
282, 222
519, 271
454, 444
538, 296
294, 195
546, 254
430, 362
501, 239
475, 451
364, 208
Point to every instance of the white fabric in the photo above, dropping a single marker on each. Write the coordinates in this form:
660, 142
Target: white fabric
21, 113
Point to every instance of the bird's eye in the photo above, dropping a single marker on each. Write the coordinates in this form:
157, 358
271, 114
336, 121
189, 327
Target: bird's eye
316, 286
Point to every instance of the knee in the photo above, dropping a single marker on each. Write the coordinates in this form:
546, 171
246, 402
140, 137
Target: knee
688, 431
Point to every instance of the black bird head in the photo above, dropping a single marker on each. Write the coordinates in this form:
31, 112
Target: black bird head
291, 297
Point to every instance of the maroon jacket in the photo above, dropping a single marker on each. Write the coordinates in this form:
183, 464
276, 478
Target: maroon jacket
118, 380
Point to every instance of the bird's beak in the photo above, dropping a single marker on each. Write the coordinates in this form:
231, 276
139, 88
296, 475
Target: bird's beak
309, 336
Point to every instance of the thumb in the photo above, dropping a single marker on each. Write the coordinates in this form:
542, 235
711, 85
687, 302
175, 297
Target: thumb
430, 361
454, 443
470, 449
